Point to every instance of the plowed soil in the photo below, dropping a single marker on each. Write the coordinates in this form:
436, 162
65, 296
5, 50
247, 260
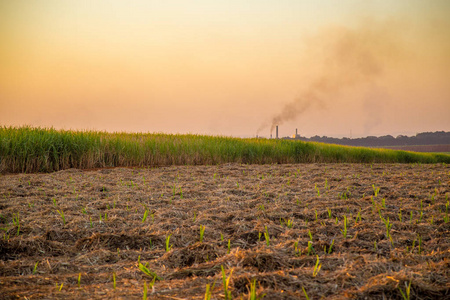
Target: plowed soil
277, 220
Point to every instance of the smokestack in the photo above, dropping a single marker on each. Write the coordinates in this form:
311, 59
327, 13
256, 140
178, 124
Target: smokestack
296, 133
277, 133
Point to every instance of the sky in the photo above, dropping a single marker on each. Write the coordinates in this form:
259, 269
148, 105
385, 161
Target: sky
234, 68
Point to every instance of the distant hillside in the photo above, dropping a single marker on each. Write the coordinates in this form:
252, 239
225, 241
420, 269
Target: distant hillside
424, 138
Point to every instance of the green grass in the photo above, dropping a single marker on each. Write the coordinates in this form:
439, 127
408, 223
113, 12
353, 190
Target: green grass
30, 149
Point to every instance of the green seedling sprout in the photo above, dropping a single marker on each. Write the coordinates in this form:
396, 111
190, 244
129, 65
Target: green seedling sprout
79, 280
446, 218
35, 268
304, 292
145, 216
391, 240
317, 267
16, 222
331, 247
376, 190
209, 291
413, 244
374, 205
407, 294
358, 217
252, 292
381, 217
145, 291
6, 237
152, 283
147, 271
310, 248
344, 231
329, 213
388, 227
226, 282
114, 280
266, 236
290, 223
61, 213
296, 251
202, 231
229, 246
310, 235
168, 246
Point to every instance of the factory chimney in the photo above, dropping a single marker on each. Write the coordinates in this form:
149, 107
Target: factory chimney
277, 132
296, 133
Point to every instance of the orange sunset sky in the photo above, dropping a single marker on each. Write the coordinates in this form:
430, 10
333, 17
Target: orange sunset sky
232, 68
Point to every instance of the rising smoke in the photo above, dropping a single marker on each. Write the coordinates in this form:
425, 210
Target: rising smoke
348, 57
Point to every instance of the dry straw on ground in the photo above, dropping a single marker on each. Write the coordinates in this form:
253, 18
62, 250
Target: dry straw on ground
106, 232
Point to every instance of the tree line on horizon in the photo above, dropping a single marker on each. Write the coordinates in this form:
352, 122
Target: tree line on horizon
423, 138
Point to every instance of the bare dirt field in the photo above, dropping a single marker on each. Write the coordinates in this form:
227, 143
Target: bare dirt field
376, 229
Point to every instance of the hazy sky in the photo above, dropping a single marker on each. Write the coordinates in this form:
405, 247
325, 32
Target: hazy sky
227, 67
